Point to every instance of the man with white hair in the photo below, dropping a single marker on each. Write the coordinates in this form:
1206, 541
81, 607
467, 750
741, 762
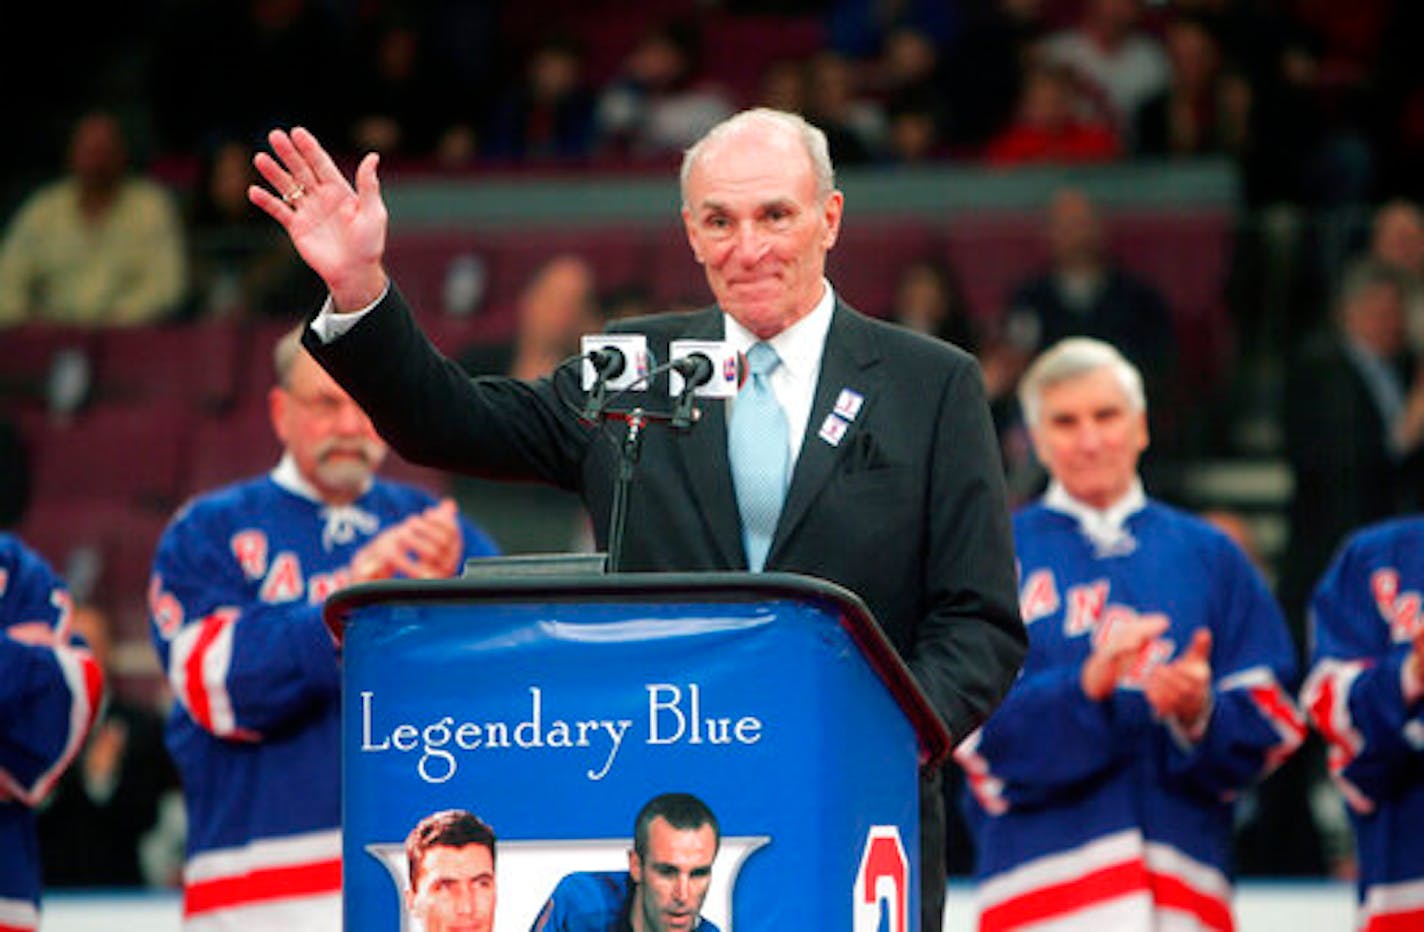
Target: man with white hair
238, 585
856, 452
1154, 690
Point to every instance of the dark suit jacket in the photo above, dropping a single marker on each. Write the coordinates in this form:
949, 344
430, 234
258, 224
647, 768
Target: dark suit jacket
907, 510
1345, 473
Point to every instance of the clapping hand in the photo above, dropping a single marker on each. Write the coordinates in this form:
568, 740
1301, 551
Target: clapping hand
1116, 654
424, 546
1179, 690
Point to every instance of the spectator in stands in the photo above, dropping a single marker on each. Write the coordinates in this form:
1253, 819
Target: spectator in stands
909, 67
98, 247
914, 134
860, 29
239, 579
783, 86
985, 67
556, 308
290, 47
92, 832
854, 125
51, 689
550, 113
1365, 695
928, 300
239, 266
1048, 127
1354, 420
402, 107
1155, 689
1203, 110
1121, 65
1084, 292
1397, 240
659, 104
1398, 83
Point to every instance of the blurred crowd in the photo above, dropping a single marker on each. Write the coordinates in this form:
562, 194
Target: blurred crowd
125, 205
1317, 102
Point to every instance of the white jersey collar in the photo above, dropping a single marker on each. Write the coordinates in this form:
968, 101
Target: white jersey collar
1105, 528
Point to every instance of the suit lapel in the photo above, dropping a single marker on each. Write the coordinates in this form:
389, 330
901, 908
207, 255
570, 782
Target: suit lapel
850, 351
703, 455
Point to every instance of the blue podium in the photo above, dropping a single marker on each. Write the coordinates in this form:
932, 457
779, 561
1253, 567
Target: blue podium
555, 707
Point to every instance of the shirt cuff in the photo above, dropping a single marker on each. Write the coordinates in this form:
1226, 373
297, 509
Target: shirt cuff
330, 325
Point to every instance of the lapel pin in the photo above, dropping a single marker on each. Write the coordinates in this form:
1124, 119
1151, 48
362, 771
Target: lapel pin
833, 428
848, 403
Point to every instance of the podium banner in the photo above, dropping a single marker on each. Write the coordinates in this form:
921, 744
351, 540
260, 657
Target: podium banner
554, 717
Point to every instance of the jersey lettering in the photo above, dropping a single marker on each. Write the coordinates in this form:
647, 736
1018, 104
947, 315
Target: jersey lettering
284, 581
1040, 596
1400, 610
166, 610
250, 549
1085, 607
323, 585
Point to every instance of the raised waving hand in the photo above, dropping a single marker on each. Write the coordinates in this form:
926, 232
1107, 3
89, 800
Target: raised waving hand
339, 230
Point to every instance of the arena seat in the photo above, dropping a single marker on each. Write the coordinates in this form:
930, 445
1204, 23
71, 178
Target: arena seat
674, 279
1187, 255
133, 453
226, 449
104, 549
991, 254
27, 354
420, 263
195, 363
617, 254
870, 256
738, 48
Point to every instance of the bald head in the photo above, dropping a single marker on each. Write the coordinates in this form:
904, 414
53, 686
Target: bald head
777, 125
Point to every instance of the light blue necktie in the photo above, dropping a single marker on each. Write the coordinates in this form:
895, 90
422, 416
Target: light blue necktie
759, 449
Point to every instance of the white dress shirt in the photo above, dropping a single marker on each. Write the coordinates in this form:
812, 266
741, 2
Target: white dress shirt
800, 347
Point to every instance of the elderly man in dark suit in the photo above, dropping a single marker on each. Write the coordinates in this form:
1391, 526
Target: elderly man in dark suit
884, 476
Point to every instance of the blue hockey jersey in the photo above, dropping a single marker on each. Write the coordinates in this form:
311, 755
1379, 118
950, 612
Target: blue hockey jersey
239, 580
593, 901
51, 690
1365, 615
1094, 815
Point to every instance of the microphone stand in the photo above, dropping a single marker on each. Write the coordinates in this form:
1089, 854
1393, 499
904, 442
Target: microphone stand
629, 453
682, 417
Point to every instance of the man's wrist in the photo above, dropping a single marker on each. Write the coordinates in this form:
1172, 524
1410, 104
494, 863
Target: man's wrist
1095, 679
359, 292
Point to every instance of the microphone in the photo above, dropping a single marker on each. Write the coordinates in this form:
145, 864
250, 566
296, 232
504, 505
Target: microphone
719, 369
608, 363
705, 369
617, 361
695, 369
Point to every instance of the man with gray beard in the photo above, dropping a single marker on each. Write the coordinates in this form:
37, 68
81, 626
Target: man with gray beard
239, 580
